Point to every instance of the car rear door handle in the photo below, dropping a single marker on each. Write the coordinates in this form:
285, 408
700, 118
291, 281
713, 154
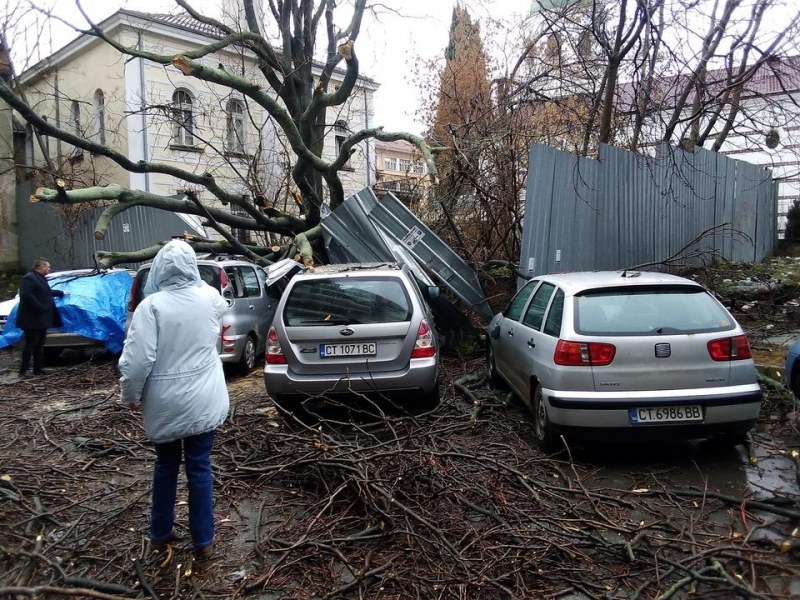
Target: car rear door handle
531, 343
251, 307
510, 333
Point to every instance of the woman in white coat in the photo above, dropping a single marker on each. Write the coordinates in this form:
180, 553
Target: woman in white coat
171, 370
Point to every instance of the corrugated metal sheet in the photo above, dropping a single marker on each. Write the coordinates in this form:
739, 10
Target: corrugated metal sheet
624, 209
48, 230
364, 228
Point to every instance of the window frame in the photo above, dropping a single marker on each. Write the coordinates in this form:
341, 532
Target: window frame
234, 126
182, 115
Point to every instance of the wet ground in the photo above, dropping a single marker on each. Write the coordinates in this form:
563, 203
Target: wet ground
268, 505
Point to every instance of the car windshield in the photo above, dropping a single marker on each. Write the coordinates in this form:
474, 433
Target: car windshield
346, 301
649, 310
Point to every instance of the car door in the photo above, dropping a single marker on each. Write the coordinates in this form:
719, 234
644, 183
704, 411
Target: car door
256, 301
503, 344
527, 340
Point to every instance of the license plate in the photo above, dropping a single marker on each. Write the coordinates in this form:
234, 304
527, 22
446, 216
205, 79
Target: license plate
355, 349
665, 414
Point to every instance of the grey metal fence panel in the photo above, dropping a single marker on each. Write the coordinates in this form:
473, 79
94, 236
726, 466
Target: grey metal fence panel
69, 242
625, 210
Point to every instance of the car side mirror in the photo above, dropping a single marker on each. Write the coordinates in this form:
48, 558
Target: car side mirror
432, 291
228, 295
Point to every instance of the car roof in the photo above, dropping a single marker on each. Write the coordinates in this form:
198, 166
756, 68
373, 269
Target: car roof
578, 281
350, 268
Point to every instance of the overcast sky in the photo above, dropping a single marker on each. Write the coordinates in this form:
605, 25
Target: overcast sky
405, 34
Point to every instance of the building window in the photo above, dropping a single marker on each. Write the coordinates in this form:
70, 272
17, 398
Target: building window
404, 164
182, 119
235, 127
390, 163
418, 168
75, 118
100, 116
245, 236
340, 132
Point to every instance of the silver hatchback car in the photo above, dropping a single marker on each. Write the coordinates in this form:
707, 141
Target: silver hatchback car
355, 328
252, 293
609, 354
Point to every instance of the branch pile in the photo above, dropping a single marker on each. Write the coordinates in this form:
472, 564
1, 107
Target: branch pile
454, 503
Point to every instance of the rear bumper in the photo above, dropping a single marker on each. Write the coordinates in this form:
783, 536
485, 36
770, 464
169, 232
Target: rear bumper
58, 339
230, 352
730, 408
420, 375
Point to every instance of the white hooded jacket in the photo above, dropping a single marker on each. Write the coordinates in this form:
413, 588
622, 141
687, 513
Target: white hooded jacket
170, 361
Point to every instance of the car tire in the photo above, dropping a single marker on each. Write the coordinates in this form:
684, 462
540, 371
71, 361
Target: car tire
50, 355
545, 433
491, 367
247, 359
430, 400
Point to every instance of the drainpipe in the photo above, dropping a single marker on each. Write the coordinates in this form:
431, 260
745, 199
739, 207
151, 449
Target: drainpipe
368, 153
58, 118
142, 106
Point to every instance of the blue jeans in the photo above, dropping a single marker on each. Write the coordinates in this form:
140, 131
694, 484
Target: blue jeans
196, 450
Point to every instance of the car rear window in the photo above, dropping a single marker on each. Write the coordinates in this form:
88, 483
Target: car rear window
649, 310
348, 300
208, 273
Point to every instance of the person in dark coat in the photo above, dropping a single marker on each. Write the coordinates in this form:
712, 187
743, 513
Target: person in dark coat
36, 313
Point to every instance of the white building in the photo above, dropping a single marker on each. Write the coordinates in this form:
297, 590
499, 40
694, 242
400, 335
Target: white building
151, 112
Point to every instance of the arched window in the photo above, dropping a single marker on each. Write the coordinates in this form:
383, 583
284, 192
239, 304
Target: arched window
182, 118
235, 126
99, 105
75, 117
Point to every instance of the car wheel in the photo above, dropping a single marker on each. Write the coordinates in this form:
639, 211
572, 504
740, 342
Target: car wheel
544, 431
51, 354
491, 367
247, 360
431, 399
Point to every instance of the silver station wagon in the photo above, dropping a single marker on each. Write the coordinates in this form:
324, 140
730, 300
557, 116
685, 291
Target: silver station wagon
624, 354
350, 330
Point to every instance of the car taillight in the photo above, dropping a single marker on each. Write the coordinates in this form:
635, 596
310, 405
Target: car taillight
732, 348
228, 343
584, 354
424, 346
132, 298
223, 280
275, 355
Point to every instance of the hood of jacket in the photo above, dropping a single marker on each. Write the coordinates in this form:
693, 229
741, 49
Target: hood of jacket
175, 266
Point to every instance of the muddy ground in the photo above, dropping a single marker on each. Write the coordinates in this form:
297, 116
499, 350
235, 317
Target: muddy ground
453, 503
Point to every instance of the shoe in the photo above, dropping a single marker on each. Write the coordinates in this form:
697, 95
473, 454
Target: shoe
204, 553
161, 544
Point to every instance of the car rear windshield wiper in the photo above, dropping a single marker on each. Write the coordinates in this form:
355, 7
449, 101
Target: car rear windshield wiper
326, 322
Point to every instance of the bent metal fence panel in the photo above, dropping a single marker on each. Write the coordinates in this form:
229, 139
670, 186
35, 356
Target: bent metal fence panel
624, 210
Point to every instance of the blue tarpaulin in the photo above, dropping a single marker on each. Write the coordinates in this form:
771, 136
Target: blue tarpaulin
96, 307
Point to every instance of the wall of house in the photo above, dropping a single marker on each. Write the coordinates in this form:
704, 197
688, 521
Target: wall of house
98, 67
9, 256
266, 160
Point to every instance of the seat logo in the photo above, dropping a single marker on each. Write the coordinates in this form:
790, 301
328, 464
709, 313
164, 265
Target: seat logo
347, 331
663, 350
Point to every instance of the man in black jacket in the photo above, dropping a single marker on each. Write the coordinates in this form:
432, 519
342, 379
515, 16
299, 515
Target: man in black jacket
36, 314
